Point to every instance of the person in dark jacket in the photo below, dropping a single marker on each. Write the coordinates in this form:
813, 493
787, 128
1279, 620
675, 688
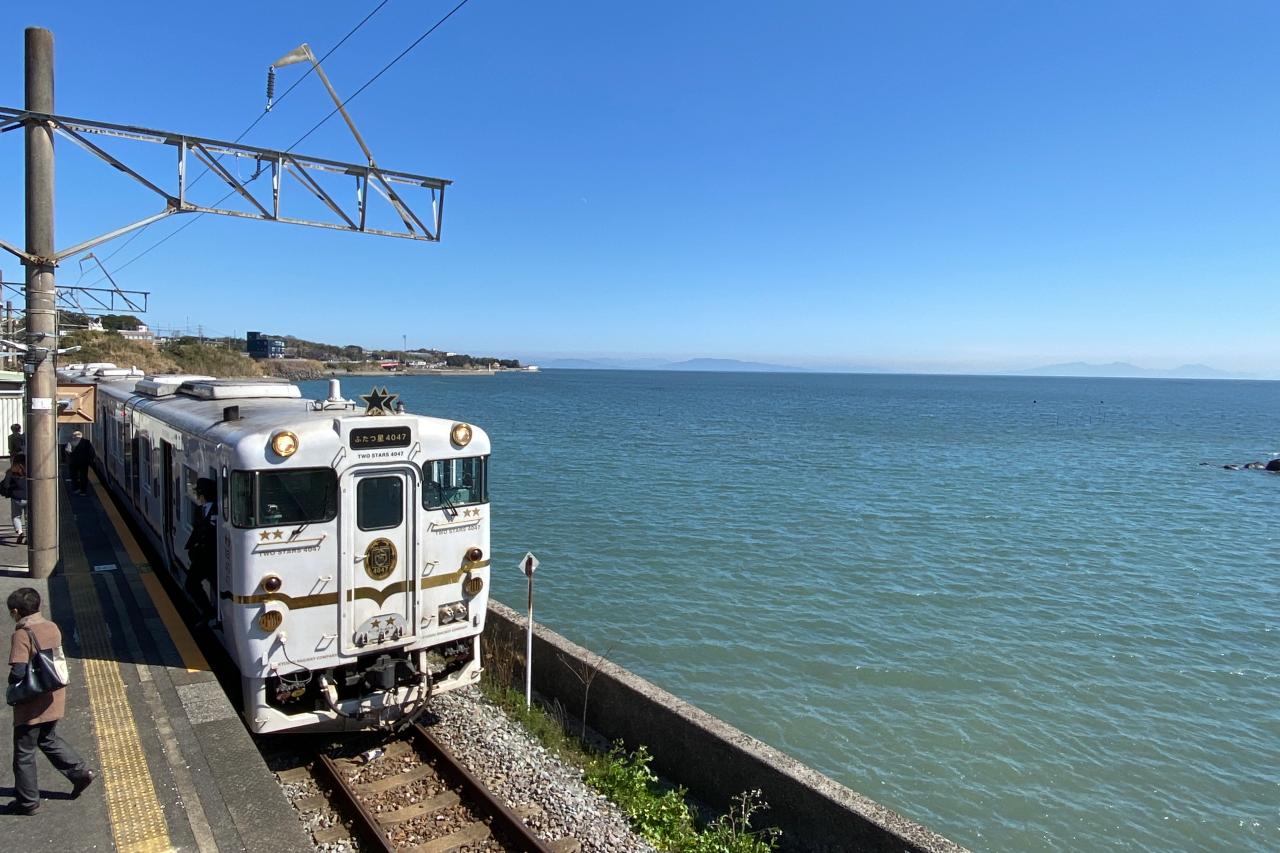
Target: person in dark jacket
35, 721
17, 441
202, 546
14, 485
79, 456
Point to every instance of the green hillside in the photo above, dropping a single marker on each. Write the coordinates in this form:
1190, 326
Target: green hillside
187, 355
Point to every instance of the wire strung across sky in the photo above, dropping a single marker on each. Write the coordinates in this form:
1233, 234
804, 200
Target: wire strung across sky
384, 70
242, 135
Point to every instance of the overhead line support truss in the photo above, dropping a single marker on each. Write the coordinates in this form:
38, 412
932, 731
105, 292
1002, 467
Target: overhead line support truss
90, 300
210, 152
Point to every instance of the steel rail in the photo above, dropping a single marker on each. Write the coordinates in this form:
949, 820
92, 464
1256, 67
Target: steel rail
363, 820
506, 822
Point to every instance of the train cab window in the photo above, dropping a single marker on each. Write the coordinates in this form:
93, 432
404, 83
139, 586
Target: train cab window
455, 482
264, 498
379, 502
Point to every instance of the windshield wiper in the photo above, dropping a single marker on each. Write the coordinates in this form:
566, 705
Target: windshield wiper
450, 508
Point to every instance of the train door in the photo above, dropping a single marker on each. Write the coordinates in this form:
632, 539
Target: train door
167, 496
379, 559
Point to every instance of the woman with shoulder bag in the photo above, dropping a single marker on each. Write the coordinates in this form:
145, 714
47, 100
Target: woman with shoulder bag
34, 651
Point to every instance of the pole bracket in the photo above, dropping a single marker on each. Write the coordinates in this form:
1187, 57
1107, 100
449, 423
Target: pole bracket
29, 260
25, 257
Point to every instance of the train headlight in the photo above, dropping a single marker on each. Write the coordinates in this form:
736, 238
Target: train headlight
474, 555
270, 620
473, 585
460, 434
284, 443
272, 583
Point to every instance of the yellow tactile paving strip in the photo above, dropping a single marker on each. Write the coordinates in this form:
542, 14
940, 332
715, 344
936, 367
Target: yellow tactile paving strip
192, 658
137, 820
108, 506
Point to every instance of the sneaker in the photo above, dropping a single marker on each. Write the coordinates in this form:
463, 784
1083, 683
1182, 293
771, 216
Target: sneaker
80, 781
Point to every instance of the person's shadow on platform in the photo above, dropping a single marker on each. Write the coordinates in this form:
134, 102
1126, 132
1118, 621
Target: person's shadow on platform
10, 793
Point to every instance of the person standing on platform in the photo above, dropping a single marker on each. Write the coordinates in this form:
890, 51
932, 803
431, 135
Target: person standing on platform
35, 721
14, 487
79, 455
202, 547
17, 441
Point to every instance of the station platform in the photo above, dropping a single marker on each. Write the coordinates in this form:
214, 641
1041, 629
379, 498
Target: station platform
177, 769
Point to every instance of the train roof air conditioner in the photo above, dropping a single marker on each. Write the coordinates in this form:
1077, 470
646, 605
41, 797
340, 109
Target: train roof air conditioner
239, 389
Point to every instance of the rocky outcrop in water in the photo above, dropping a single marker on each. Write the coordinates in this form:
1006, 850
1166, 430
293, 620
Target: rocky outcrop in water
1273, 466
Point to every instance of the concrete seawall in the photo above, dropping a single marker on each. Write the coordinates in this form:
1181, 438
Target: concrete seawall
712, 759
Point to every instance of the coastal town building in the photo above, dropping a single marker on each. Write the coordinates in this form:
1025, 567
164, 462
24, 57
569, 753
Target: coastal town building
259, 345
141, 334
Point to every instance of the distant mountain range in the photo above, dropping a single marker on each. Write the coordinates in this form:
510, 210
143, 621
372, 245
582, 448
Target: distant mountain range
1120, 369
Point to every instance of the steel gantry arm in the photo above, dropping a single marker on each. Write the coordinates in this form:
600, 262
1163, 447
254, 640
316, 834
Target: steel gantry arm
278, 163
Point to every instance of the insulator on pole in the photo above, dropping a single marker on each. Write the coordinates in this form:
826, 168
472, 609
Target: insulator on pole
271, 85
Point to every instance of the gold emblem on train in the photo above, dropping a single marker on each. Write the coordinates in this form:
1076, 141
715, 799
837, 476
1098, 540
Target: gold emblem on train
380, 559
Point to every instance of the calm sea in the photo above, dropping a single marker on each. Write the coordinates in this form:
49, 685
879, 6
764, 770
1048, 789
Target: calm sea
1020, 611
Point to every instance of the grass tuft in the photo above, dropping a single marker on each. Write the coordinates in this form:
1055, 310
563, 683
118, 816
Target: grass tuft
657, 812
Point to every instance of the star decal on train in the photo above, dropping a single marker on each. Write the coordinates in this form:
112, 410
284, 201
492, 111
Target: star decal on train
471, 512
379, 402
270, 534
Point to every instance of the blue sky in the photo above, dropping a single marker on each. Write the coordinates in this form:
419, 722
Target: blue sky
970, 186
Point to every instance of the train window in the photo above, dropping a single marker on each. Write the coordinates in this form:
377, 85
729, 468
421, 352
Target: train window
263, 498
455, 482
379, 502
144, 462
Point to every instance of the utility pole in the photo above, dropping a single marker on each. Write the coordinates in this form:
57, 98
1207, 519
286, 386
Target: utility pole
42, 343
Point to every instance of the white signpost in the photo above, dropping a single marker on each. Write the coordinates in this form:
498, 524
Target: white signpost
528, 565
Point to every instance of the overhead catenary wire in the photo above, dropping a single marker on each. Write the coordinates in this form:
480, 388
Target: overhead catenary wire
242, 135
384, 70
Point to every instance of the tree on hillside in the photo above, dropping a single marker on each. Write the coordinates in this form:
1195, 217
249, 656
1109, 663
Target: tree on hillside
116, 322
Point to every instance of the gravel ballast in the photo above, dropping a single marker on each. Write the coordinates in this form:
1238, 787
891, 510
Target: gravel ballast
532, 781
551, 795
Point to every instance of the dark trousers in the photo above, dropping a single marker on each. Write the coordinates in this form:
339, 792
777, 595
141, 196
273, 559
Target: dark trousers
26, 739
201, 570
79, 476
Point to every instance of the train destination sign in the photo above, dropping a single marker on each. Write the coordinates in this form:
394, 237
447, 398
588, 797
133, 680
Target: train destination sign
373, 438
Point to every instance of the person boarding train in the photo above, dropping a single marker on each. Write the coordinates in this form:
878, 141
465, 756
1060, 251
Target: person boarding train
202, 548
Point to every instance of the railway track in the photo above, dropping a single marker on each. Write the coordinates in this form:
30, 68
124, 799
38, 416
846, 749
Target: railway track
416, 798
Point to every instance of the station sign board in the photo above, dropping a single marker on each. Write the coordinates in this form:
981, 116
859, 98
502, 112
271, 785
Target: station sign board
76, 403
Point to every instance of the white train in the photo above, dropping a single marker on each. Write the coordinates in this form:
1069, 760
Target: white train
353, 550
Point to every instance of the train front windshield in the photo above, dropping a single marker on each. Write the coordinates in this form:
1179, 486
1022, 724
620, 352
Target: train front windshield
261, 498
455, 482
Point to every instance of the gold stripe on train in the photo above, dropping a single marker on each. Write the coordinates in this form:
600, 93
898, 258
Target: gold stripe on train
359, 593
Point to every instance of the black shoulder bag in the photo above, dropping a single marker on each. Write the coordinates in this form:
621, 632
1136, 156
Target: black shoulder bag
46, 672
